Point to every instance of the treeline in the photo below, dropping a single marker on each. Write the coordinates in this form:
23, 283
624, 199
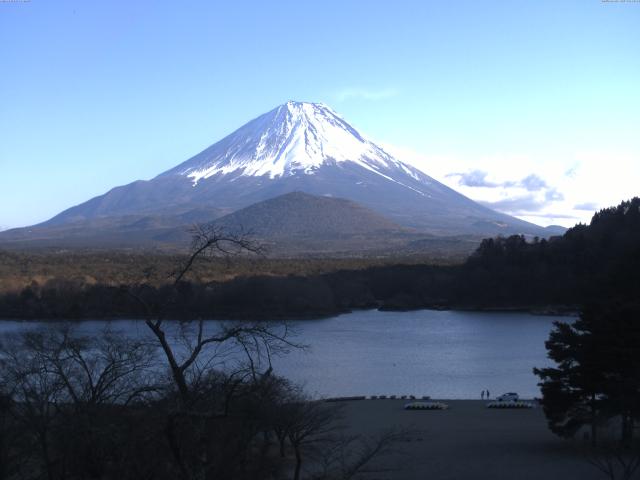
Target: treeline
19, 270
600, 260
244, 297
588, 263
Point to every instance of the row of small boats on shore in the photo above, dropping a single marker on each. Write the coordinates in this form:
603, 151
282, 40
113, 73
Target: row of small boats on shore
427, 404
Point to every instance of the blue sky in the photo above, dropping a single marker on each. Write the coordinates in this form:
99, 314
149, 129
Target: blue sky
481, 95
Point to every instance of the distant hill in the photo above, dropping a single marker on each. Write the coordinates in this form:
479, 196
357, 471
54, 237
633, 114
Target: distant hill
167, 232
299, 214
293, 224
298, 222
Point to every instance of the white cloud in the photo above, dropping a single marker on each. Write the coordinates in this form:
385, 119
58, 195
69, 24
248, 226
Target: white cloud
588, 206
555, 188
474, 178
533, 183
365, 94
478, 178
516, 205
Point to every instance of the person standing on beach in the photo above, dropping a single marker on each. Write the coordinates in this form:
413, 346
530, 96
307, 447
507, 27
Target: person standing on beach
482, 395
487, 394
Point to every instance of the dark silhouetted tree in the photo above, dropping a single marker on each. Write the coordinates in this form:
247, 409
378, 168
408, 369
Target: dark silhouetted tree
597, 377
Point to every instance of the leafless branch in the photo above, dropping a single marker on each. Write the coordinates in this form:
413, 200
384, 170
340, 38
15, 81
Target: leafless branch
213, 240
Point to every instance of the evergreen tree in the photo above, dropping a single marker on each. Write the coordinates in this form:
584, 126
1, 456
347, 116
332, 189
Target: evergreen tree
597, 377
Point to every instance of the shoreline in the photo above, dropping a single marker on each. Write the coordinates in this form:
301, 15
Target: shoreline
549, 311
405, 399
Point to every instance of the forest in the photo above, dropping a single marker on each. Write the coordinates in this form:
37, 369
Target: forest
599, 260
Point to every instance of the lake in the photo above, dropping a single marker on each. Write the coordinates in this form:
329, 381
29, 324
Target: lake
443, 354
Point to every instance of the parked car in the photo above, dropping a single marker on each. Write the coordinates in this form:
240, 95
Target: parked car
508, 397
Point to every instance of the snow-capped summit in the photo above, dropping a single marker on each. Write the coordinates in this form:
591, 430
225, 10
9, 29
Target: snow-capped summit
296, 137
296, 147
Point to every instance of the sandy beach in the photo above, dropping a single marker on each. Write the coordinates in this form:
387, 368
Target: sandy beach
470, 441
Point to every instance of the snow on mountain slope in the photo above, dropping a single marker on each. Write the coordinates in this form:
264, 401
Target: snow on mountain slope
293, 138
298, 147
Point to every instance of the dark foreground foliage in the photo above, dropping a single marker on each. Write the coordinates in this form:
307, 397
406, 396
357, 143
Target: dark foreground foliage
105, 407
593, 391
597, 377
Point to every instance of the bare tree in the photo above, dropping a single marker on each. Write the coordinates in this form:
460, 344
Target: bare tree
348, 457
257, 340
310, 422
616, 463
64, 386
615, 459
212, 365
28, 381
317, 437
104, 369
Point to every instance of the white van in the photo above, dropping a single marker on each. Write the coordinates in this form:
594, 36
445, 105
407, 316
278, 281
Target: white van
508, 397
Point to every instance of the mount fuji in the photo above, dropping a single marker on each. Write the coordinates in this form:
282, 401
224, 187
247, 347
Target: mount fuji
296, 147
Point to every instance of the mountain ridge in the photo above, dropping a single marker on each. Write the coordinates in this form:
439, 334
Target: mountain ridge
296, 147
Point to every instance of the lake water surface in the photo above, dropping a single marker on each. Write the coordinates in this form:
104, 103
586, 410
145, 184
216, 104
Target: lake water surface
444, 354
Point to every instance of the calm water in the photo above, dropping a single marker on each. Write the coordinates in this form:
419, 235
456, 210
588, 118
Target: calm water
444, 354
